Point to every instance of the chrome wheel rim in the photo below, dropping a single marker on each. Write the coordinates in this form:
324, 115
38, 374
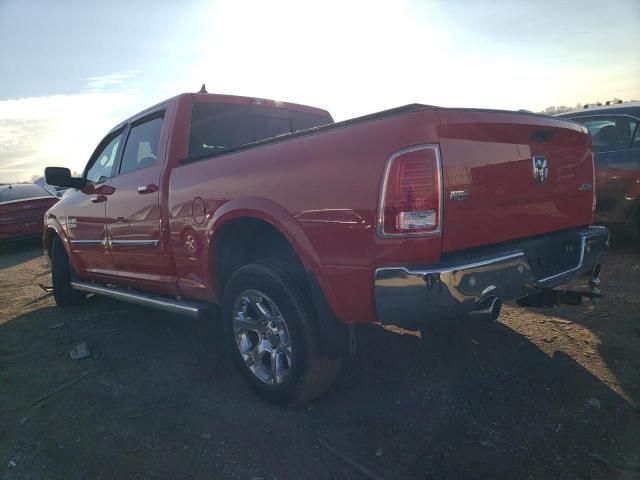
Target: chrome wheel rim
262, 337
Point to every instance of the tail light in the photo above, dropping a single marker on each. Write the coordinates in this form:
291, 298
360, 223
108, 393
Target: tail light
410, 201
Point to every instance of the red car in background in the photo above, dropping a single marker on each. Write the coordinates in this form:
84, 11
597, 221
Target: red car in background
616, 148
22, 208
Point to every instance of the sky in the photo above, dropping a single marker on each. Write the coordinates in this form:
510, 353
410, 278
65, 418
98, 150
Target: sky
70, 70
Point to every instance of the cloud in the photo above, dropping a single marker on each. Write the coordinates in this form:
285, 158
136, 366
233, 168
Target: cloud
61, 130
108, 81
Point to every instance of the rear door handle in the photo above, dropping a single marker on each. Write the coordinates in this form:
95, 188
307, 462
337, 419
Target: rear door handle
144, 189
98, 198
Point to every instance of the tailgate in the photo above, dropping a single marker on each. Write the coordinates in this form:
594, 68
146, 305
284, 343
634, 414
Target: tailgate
511, 175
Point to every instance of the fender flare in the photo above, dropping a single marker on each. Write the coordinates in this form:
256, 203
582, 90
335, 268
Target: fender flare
56, 229
336, 338
53, 225
271, 213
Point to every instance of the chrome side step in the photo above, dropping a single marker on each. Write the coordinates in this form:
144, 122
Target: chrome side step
182, 307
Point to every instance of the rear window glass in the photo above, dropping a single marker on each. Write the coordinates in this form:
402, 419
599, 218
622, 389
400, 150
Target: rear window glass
610, 133
21, 192
216, 127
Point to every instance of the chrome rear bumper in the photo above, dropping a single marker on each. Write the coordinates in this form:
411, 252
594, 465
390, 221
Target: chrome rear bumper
410, 296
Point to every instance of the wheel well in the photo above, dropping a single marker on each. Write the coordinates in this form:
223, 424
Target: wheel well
243, 241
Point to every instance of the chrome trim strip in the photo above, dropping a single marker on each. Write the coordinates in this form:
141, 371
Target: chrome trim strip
190, 309
115, 243
415, 148
583, 242
89, 242
140, 243
480, 263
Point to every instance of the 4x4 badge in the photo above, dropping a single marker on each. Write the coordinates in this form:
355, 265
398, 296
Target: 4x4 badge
540, 169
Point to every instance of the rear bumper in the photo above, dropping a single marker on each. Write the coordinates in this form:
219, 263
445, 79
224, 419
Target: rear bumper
411, 296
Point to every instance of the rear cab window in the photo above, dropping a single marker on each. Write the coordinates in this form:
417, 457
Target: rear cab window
216, 127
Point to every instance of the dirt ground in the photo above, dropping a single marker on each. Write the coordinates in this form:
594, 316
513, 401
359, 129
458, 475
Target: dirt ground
538, 395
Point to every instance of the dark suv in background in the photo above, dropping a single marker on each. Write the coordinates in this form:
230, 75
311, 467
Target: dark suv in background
616, 146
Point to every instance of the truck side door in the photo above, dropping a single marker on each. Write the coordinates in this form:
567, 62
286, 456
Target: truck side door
85, 212
134, 213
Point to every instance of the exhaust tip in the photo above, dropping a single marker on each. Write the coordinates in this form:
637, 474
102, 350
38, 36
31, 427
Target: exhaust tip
496, 307
489, 309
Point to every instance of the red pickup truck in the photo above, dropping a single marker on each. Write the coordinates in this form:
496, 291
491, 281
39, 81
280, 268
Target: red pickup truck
300, 227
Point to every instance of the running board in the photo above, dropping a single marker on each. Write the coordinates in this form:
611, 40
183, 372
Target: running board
182, 307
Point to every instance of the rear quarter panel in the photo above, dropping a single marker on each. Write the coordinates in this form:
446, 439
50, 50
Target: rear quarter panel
321, 191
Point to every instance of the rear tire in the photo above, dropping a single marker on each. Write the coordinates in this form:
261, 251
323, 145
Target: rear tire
61, 275
273, 335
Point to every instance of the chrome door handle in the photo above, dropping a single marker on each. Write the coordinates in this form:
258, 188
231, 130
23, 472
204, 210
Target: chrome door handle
144, 189
98, 198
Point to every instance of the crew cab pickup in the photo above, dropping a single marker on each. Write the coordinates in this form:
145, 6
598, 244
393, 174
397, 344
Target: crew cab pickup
301, 228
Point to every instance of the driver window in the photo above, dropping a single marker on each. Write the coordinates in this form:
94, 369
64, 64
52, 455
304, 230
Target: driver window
141, 149
102, 167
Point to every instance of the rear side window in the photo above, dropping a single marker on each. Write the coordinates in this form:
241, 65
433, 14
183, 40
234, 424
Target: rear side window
22, 192
141, 149
216, 127
610, 133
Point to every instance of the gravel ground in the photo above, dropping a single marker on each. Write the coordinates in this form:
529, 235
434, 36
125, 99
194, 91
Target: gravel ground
539, 394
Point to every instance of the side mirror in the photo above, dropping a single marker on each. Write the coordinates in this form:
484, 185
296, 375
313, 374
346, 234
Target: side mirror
61, 177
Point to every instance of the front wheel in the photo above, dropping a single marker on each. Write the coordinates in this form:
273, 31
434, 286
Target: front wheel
273, 334
61, 275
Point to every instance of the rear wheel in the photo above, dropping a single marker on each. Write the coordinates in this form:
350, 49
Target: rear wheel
61, 275
273, 334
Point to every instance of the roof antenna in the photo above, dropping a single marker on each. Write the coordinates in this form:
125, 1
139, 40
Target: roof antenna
203, 89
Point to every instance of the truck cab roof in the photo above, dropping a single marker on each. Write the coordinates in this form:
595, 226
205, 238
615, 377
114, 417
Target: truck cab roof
229, 99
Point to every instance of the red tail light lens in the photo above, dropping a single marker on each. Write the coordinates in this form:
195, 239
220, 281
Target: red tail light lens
410, 202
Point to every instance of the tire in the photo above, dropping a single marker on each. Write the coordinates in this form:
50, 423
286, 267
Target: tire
61, 275
271, 331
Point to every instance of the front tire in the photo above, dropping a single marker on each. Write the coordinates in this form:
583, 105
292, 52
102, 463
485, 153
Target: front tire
273, 335
61, 273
